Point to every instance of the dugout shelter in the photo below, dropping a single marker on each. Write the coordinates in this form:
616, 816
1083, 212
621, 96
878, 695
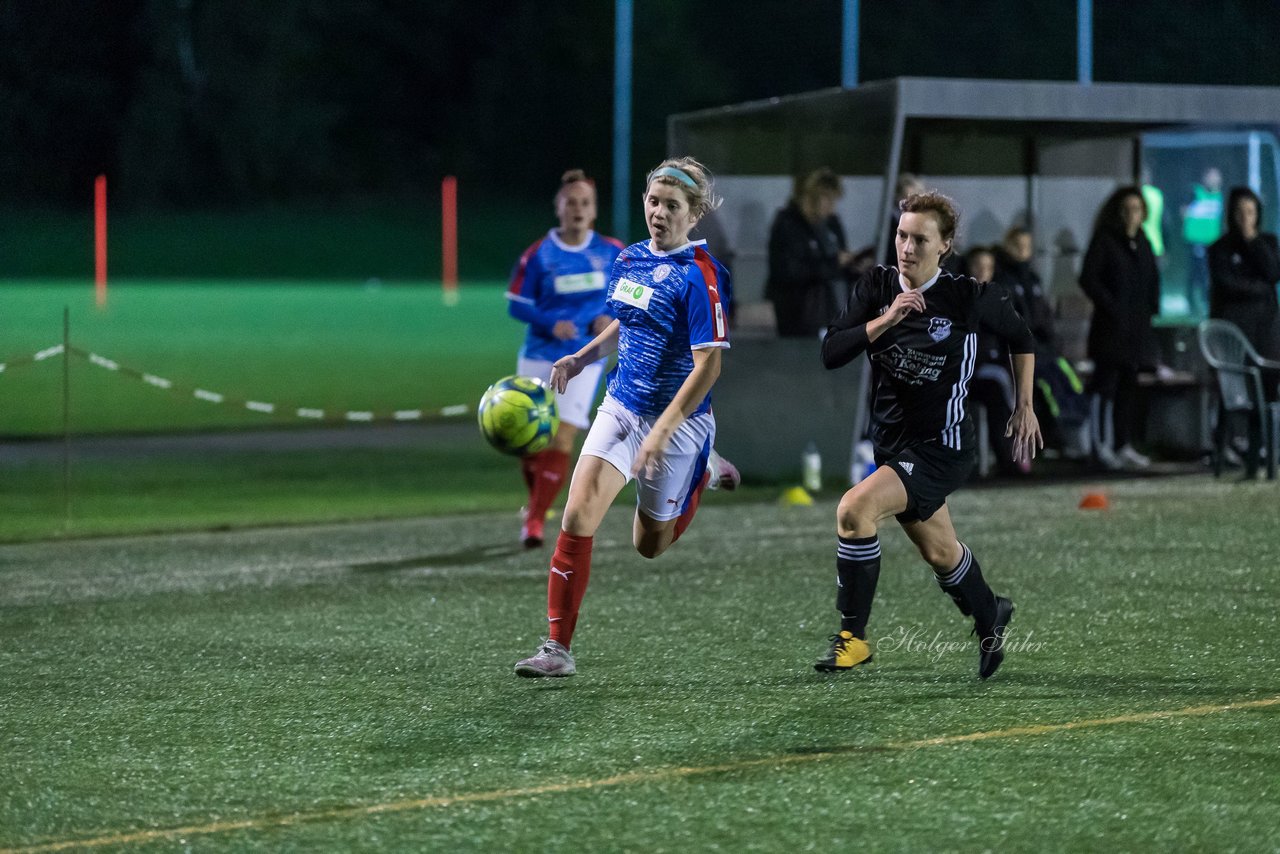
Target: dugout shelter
1041, 154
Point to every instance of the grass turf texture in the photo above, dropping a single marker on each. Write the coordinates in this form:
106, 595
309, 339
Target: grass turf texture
338, 348
245, 489
333, 687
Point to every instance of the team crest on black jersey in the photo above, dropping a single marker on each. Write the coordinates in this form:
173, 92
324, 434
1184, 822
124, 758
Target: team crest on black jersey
939, 328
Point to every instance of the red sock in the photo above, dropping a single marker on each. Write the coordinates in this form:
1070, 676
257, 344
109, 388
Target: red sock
552, 467
529, 467
687, 516
567, 581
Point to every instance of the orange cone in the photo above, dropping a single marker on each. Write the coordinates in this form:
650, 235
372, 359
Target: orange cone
1095, 501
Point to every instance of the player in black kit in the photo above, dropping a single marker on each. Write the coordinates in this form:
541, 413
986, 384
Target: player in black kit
918, 324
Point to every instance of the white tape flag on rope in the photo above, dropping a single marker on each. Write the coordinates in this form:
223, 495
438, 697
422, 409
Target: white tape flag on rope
104, 362
363, 416
21, 361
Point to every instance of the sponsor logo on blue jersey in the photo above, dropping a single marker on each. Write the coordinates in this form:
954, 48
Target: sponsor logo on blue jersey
579, 283
633, 294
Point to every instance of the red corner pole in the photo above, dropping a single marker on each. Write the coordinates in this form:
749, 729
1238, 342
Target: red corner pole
100, 239
449, 237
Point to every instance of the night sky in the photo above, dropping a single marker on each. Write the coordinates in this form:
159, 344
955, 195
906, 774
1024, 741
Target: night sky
198, 103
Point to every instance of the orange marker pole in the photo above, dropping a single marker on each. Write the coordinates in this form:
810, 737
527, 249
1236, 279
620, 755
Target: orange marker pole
449, 238
100, 239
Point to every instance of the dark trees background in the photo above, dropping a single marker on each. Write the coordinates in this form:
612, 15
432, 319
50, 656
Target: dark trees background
192, 104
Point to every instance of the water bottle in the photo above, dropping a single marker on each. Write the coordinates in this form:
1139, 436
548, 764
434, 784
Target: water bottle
811, 466
864, 461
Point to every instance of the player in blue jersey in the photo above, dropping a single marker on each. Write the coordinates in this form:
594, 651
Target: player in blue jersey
671, 299
918, 325
558, 288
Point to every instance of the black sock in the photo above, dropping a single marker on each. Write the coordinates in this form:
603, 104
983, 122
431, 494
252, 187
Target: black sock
968, 589
857, 571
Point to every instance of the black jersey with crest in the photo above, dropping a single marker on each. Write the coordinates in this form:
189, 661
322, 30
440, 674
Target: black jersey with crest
921, 368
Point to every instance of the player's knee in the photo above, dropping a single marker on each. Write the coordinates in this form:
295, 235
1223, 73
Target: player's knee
941, 557
855, 515
577, 522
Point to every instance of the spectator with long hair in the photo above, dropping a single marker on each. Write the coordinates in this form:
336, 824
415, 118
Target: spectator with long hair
1120, 277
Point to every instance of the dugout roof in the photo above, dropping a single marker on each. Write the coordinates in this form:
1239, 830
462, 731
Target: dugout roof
959, 127
949, 126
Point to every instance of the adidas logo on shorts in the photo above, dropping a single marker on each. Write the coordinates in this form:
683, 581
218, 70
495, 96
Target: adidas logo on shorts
907, 467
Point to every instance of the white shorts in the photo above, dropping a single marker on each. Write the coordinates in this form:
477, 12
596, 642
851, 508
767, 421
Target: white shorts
616, 436
579, 394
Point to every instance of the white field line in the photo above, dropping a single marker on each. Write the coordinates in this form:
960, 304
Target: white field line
630, 778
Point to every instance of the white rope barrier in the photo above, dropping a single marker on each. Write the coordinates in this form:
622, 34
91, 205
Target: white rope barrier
357, 416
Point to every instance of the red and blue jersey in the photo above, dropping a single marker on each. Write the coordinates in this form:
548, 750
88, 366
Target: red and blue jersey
668, 304
554, 281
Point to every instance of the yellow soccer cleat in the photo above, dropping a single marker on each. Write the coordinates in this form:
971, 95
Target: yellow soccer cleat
846, 653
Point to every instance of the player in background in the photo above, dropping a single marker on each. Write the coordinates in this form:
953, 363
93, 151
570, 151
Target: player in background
671, 300
558, 288
919, 324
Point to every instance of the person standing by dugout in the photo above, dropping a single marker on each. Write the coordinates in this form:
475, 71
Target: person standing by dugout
1120, 277
918, 325
1244, 266
558, 289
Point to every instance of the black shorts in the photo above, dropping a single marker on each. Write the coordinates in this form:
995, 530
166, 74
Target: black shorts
930, 472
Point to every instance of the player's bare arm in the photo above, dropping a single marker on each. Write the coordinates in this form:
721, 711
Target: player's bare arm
1023, 425
706, 370
569, 367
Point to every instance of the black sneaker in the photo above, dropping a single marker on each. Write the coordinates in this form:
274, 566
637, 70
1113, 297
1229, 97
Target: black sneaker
991, 644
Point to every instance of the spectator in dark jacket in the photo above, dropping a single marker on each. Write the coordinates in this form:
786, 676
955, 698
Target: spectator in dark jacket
1120, 277
993, 384
1244, 266
808, 261
1019, 277
1061, 405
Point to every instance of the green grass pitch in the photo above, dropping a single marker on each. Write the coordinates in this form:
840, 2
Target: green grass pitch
349, 687
334, 347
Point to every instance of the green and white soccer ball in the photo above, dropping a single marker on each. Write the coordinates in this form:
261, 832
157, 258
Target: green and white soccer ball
518, 415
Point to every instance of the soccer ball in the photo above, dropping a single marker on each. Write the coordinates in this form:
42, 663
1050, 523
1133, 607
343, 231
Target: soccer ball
518, 415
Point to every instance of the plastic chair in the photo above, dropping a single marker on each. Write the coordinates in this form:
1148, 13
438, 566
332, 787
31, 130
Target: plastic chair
1239, 371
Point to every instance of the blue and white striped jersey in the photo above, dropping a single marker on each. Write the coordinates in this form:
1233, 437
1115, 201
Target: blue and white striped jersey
668, 304
554, 281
